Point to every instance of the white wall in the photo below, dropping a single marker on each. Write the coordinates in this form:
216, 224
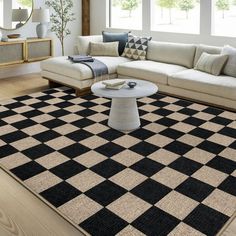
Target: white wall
28, 30
98, 23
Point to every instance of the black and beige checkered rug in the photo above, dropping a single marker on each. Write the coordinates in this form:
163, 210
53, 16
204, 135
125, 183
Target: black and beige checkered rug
176, 175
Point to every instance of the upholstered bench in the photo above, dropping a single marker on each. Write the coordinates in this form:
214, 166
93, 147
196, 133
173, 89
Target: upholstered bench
60, 70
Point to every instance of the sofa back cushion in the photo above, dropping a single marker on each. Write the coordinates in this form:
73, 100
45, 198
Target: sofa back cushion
172, 53
230, 67
205, 48
83, 43
122, 38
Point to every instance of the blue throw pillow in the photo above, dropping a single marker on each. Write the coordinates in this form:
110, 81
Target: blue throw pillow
122, 38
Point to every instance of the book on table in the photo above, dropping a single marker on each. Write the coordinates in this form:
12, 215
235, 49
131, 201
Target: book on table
114, 82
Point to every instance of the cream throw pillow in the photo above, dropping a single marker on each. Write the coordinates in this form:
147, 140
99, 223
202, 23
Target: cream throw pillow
230, 66
104, 49
212, 64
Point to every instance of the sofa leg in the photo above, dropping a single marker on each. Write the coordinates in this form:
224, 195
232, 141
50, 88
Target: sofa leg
81, 92
53, 84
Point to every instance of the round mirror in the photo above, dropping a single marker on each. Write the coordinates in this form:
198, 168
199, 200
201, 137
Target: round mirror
14, 13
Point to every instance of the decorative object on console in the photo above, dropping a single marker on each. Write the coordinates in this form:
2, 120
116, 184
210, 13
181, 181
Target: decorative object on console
122, 38
60, 21
104, 49
20, 15
7, 39
136, 47
13, 36
212, 64
42, 16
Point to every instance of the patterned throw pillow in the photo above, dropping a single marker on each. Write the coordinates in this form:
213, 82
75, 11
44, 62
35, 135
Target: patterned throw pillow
136, 48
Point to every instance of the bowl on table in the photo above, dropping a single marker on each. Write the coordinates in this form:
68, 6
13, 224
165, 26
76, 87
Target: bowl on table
131, 84
13, 36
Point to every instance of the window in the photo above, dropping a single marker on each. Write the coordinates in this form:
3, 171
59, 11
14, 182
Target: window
181, 16
1, 13
224, 18
126, 14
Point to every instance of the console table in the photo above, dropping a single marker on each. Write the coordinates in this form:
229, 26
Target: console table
25, 51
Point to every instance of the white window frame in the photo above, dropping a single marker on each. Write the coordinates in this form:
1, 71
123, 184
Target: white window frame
206, 25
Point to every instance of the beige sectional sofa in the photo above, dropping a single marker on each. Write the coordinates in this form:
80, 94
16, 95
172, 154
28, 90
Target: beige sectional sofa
169, 65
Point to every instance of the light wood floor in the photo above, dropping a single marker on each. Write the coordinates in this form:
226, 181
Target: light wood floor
18, 204
24, 214
21, 85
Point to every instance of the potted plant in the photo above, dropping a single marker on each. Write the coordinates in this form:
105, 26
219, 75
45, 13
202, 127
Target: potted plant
62, 14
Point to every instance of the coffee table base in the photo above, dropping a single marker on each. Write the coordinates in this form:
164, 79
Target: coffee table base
124, 114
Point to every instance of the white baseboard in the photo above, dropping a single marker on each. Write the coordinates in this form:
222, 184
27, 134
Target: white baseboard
21, 69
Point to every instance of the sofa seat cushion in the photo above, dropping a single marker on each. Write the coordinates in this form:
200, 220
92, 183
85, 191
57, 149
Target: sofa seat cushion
221, 86
156, 72
62, 66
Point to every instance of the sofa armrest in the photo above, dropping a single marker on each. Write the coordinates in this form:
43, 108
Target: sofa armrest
83, 43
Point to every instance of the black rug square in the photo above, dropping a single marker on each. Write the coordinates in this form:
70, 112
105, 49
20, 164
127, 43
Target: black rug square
28, 170
104, 223
222, 164
67, 169
178, 147
201, 133
156, 222
185, 165
142, 133
206, 220
147, 167
7, 150
13, 136
110, 134
195, 189
79, 135
229, 185
211, 147
109, 149
172, 133
105, 192
108, 168
74, 150
46, 136
155, 190
144, 148
38, 151
81, 123
60, 194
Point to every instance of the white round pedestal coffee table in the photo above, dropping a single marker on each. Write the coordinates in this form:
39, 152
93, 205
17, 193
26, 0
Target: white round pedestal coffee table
124, 110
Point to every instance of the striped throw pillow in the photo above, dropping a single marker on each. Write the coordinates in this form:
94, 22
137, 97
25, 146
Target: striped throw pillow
211, 63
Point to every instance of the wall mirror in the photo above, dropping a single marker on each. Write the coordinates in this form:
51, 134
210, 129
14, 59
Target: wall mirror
14, 13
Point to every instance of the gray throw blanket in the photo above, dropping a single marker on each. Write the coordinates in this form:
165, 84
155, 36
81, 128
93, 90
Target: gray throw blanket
97, 67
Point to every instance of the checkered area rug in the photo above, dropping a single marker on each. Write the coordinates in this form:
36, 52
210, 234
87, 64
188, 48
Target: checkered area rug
176, 175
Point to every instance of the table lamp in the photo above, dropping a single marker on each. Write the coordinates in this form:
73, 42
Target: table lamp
42, 16
19, 15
